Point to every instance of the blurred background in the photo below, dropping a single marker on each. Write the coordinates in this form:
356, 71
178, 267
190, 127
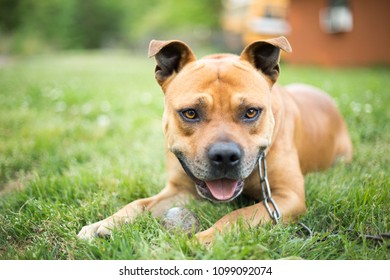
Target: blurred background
81, 134
322, 32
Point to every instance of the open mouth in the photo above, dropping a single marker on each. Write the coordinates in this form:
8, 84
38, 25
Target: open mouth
217, 190
221, 190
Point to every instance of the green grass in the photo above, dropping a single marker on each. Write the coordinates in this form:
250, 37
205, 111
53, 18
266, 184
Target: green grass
80, 136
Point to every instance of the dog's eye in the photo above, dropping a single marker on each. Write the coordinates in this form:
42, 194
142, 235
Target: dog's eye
190, 114
251, 113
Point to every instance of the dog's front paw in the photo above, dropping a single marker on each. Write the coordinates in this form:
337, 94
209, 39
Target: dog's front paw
206, 237
99, 229
89, 232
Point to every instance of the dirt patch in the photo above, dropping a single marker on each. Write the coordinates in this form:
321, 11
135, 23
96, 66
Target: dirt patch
16, 184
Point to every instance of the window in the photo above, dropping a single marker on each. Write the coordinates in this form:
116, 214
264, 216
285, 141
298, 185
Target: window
337, 17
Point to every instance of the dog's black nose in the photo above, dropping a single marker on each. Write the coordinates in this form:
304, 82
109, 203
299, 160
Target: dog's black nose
225, 154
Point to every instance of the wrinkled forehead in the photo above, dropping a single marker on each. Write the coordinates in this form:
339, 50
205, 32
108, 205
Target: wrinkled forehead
219, 74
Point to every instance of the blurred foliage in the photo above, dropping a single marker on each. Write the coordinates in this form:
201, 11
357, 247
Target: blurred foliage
33, 25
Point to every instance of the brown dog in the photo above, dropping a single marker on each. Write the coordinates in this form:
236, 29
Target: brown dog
222, 114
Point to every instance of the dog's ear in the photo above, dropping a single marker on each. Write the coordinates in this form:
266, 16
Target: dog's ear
171, 56
265, 55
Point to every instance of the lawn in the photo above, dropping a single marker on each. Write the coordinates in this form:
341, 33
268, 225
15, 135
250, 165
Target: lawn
80, 136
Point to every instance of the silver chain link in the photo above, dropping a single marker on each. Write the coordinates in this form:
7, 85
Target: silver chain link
265, 189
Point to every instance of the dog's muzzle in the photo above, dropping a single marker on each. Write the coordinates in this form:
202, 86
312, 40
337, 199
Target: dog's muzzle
223, 181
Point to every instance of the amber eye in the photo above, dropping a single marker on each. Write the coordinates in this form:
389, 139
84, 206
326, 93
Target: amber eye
251, 113
190, 114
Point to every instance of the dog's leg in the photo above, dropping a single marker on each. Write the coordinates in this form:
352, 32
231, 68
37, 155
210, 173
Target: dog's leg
158, 204
289, 204
287, 192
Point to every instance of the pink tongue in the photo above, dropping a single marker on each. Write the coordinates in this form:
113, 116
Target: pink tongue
222, 189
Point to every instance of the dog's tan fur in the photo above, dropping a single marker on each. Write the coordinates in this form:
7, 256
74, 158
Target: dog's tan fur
299, 126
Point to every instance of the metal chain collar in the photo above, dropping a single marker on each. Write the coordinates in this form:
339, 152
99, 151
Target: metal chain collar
265, 189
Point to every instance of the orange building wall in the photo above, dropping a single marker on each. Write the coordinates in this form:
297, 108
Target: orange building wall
368, 43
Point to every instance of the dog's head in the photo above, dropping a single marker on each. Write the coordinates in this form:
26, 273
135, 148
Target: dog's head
218, 114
